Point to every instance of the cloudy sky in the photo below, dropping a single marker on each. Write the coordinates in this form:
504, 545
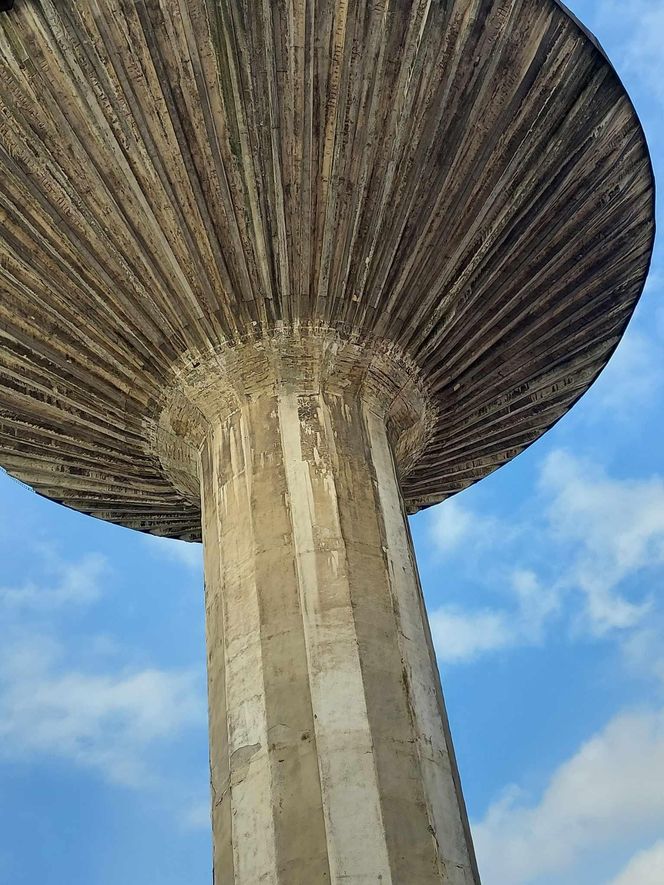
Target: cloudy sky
544, 586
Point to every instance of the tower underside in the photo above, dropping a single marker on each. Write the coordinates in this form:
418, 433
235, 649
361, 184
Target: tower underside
465, 180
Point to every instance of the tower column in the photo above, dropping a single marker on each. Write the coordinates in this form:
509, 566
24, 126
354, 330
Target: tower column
329, 748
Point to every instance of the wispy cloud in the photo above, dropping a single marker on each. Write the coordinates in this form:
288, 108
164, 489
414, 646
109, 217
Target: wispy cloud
106, 721
645, 868
591, 537
643, 649
198, 815
607, 794
82, 701
633, 378
641, 35
188, 555
66, 583
611, 529
453, 527
465, 634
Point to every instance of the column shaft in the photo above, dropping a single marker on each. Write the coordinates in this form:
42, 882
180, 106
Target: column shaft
329, 748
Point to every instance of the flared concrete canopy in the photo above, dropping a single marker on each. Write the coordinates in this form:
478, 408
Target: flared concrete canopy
465, 183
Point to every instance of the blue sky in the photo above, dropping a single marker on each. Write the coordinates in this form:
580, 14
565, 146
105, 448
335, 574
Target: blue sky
544, 587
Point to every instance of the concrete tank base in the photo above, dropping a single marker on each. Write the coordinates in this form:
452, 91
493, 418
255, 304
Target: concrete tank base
331, 759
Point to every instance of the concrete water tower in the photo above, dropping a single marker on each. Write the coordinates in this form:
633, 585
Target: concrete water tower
274, 274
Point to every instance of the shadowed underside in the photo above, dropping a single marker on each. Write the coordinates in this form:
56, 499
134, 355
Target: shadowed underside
465, 183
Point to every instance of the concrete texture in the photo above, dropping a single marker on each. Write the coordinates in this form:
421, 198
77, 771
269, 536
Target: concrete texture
330, 753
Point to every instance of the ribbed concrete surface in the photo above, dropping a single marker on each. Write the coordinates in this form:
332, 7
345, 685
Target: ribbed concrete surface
465, 180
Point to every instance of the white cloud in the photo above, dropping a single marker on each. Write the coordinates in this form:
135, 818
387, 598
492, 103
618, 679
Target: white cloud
536, 603
80, 699
607, 795
75, 583
93, 712
646, 868
105, 721
450, 525
643, 649
641, 35
464, 634
198, 816
187, 554
612, 529
461, 635
590, 539
454, 527
633, 378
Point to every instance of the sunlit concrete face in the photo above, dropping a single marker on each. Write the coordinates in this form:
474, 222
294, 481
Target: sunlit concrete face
330, 753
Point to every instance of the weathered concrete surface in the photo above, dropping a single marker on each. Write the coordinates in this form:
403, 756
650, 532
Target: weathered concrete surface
330, 754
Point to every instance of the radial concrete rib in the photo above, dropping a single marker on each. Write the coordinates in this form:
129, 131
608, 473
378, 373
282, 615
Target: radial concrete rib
466, 180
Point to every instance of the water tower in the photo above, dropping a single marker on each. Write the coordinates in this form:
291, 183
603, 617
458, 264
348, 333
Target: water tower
274, 274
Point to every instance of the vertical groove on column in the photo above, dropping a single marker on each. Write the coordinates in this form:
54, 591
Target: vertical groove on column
222, 827
409, 837
445, 804
296, 803
253, 837
356, 842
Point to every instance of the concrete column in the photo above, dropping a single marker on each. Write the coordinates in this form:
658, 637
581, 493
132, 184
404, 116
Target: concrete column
330, 753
